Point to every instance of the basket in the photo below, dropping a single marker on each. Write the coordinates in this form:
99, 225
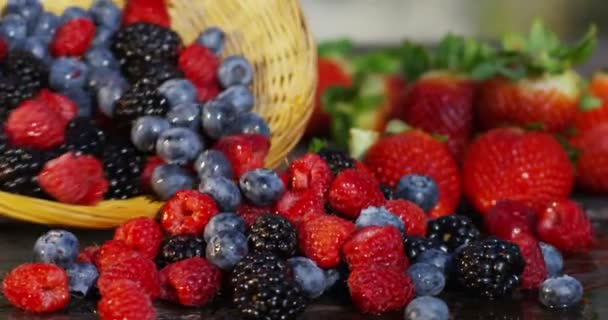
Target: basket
272, 34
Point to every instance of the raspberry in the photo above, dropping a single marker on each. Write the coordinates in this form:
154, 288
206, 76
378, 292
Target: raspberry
37, 287
564, 225
375, 289
59, 103
142, 234
112, 252
73, 38
140, 270
199, 65
74, 179
146, 175
321, 239
353, 191
250, 212
32, 124
284, 175
88, 254
297, 206
412, 216
149, 11
508, 218
124, 300
187, 212
245, 152
192, 282
378, 246
535, 271
311, 172
208, 91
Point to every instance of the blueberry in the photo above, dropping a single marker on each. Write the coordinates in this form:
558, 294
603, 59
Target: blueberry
212, 163
186, 115
57, 246
68, 73
83, 278
103, 37
83, 99
178, 91
438, 258
146, 130
37, 47
221, 222
108, 94
560, 292
168, 179
374, 216
46, 26
428, 279
100, 57
29, 10
13, 29
99, 77
106, 14
309, 276
219, 119
225, 192
553, 260
235, 70
419, 189
240, 97
427, 308
179, 145
253, 123
213, 39
226, 249
262, 187
73, 13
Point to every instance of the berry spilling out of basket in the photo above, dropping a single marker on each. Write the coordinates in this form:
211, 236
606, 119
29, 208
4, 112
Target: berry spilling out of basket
103, 103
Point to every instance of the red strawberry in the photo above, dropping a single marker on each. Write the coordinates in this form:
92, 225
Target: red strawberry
37, 287
33, 124
74, 179
141, 234
508, 218
187, 212
113, 252
148, 11
414, 151
199, 65
535, 271
592, 161
311, 172
375, 289
353, 191
59, 103
250, 212
191, 282
377, 246
321, 239
245, 152
140, 270
412, 216
73, 38
510, 164
564, 225
594, 115
297, 206
123, 299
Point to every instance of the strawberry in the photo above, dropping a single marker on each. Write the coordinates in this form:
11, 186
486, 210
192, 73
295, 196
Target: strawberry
352, 191
563, 224
148, 11
297, 206
594, 114
311, 172
508, 218
414, 151
375, 289
245, 152
412, 216
510, 164
321, 239
535, 271
592, 160
378, 246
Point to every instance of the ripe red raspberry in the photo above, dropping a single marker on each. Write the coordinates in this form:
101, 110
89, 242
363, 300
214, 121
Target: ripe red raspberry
140, 270
187, 212
192, 282
353, 191
37, 287
199, 65
33, 124
321, 239
112, 252
535, 271
146, 175
297, 206
378, 246
412, 216
142, 234
375, 289
124, 300
88, 254
563, 224
508, 218
250, 212
148, 11
59, 103
284, 175
311, 172
73, 38
245, 152
208, 91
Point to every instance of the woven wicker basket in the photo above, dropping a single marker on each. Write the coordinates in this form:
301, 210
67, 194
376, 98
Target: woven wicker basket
272, 34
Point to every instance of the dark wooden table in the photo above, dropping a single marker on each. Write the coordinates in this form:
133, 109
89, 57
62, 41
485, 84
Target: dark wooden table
16, 241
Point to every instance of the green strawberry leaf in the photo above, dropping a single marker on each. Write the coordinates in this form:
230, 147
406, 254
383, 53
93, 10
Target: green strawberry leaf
378, 62
396, 126
513, 41
484, 70
589, 102
415, 60
580, 52
317, 145
340, 48
572, 152
462, 55
440, 137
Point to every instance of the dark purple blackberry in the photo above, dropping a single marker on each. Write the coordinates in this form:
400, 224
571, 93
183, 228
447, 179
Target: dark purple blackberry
123, 165
142, 99
388, 192
273, 234
25, 76
416, 245
178, 248
489, 268
337, 160
157, 73
19, 170
452, 231
83, 137
146, 43
11, 95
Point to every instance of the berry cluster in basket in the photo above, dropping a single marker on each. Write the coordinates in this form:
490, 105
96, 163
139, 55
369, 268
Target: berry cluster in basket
325, 226
108, 103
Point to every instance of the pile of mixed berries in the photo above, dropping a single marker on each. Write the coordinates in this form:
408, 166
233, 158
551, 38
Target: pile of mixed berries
110, 103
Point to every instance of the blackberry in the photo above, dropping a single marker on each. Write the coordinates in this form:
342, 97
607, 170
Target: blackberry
452, 231
11, 95
179, 248
146, 43
337, 160
82, 136
156, 73
123, 165
388, 192
490, 268
274, 234
19, 170
140, 100
416, 245
30, 72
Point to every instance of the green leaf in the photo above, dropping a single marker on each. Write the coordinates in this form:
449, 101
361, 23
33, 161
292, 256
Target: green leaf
541, 39
381, 61
572, 152
514, 41
440, 137
334, 95
589, 102
580, 52
317, 145
415, 60
485, 70
396, 126
340, 47
360, 141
